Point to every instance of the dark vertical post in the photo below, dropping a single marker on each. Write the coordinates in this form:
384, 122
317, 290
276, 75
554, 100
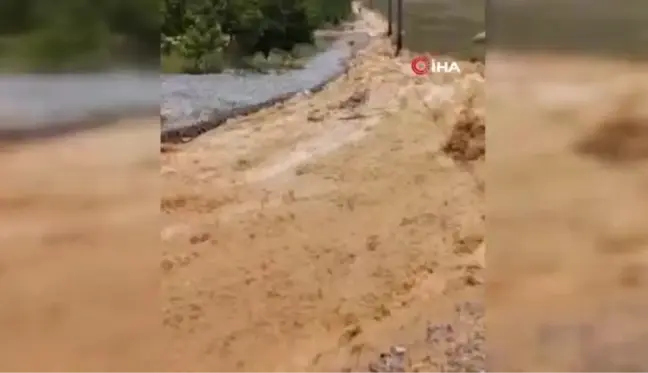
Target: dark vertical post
390, 7
399, 27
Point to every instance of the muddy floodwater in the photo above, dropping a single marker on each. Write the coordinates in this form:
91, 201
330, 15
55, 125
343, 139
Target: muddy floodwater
444, 27
593, 27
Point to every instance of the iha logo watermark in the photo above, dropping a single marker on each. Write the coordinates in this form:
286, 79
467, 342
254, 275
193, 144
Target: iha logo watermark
423, 65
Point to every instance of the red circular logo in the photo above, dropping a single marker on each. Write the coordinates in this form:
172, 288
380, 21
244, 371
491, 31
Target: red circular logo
420, 65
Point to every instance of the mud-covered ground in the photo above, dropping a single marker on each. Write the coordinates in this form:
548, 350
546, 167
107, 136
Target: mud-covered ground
339, 231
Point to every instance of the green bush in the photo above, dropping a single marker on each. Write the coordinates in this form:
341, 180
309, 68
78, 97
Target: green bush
79, 34
236, 29
194, 35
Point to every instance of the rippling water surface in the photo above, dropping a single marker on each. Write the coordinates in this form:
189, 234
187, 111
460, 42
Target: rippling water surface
594, 27
607, 28
444, 27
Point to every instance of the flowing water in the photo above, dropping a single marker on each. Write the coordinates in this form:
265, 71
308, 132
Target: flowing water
444, 27
595, 27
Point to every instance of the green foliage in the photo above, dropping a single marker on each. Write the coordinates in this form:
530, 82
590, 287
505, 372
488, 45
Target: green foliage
196, 30
46, 35
79, 34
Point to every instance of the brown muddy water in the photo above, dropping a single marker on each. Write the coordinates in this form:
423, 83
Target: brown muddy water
602, 28
599, 28
442, 27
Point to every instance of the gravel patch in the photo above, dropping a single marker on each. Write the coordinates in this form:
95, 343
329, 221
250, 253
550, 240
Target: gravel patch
457, 346
41, 105
193, 104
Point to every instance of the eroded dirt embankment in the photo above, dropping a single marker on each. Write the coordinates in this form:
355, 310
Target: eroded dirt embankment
321, 232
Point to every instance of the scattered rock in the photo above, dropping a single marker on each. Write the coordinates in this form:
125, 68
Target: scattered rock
458, 346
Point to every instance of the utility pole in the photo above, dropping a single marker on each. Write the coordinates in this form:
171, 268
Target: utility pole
390, 8
399, 27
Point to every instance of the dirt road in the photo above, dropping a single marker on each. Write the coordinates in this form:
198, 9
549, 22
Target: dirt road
567, 207
318, 234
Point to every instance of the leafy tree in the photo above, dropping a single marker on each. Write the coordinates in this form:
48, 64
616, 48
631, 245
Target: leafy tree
198, 28
71, 34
